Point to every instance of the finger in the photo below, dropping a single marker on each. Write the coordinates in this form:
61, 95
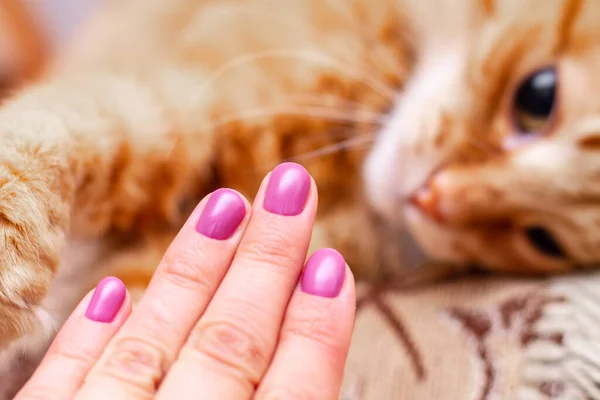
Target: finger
79, 343
185, 281
315, 337
232, 344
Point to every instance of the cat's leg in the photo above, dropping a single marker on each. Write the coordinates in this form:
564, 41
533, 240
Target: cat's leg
35, 192
80, 159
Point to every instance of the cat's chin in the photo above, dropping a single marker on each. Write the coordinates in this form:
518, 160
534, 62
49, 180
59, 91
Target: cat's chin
436, 241
414, 256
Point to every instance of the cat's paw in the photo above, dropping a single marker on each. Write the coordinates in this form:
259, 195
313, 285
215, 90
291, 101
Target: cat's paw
32, 222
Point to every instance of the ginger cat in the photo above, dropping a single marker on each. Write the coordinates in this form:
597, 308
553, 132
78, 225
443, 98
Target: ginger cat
468, 127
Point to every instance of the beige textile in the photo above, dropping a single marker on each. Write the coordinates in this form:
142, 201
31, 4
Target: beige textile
478, 339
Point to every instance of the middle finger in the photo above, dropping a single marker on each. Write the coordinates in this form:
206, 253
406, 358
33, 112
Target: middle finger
231, 346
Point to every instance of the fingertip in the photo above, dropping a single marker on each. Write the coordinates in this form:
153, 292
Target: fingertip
348, 291
325, 295
125, 310
107, 300
220, 218
349, 283
195, 214
348, 297
81, 340
314, 343
324, 273
274, 194
220, 214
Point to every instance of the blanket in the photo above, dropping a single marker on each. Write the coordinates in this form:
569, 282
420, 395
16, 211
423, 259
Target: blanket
478, 339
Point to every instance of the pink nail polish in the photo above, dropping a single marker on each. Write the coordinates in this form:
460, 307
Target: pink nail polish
107, 300
288, 189
324, 273
224, 212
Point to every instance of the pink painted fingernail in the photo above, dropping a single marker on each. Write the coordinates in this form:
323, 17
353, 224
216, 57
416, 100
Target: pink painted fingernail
107, 300
288, 189
324, 273
224, 212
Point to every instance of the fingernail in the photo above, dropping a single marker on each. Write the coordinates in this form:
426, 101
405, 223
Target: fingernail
287, 190
324, 273
224, 212
106, 300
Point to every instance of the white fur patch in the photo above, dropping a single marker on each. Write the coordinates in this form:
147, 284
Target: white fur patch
403, 156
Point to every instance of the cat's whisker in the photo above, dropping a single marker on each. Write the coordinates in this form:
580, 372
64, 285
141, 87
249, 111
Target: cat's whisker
317, 112
325, 100
355, 143
377, 86
357, 116
324, 112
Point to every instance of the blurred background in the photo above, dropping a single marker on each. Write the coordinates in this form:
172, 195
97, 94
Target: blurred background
31, 31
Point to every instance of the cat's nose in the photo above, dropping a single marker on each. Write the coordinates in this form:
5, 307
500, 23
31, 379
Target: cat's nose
426, 199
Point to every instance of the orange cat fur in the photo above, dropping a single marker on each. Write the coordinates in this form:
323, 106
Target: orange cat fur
162, 101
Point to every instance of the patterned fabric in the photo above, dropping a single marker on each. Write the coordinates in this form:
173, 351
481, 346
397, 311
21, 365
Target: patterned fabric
478, 339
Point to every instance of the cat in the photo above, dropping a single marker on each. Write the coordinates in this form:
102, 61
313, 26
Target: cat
451, 133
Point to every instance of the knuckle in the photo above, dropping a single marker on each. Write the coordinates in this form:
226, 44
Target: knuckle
271, 246
314, 325
232, 346
77, 355
136, 361
183, 268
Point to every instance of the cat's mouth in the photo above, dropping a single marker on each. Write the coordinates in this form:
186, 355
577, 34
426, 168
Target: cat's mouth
426, 202
537, 242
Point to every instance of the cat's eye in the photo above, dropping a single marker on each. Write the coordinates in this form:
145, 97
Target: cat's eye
544, 242
534, 100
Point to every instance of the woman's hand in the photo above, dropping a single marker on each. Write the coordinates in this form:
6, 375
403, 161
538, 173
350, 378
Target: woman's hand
226, 316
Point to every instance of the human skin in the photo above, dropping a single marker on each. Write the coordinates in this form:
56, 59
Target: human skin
230, 312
